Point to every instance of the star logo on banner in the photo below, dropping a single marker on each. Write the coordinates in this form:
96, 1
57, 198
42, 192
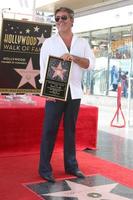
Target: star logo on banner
28, 74
59, 71
36, 28
82, 192
28, 30
41, 39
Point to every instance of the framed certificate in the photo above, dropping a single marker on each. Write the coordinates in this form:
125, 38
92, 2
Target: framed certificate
56, 81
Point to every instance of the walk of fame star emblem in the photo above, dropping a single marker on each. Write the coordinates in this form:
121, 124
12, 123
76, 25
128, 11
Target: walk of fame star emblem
58, 71
90, 188
28, 74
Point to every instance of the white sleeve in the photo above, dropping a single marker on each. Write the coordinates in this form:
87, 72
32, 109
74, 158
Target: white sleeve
44, 53
92, 60
90, 55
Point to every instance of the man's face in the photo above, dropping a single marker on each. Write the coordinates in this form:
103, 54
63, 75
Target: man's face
63, 21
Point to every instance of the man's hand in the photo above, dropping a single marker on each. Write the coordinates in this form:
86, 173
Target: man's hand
82, 62
67, 56
50, 99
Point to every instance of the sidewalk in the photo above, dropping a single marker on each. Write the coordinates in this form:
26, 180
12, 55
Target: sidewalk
107, 106
107, 101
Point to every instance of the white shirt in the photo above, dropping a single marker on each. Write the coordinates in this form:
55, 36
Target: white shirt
55, 46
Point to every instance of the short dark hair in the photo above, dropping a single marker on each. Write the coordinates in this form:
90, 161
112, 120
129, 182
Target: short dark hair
65, 9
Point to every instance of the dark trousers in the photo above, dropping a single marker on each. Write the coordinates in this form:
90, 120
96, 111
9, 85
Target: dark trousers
53, 114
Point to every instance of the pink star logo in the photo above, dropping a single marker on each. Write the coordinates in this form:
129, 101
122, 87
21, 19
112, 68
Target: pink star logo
28, 74
83, 192
59, 71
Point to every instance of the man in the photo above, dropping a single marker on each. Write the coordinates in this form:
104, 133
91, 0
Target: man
114, 77
69, 47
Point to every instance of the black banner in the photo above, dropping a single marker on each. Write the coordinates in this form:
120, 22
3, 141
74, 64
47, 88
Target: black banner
19, 55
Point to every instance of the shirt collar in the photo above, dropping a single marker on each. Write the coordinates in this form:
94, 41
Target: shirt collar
73, 39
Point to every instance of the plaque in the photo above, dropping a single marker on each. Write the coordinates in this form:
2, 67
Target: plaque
56, 81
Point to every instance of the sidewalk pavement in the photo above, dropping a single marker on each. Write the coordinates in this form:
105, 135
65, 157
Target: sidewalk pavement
107, 107
106, 101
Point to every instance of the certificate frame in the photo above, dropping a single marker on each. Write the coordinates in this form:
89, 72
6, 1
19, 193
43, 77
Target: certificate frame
56, 81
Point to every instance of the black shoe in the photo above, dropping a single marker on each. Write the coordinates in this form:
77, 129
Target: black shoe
77, 173
48, 177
